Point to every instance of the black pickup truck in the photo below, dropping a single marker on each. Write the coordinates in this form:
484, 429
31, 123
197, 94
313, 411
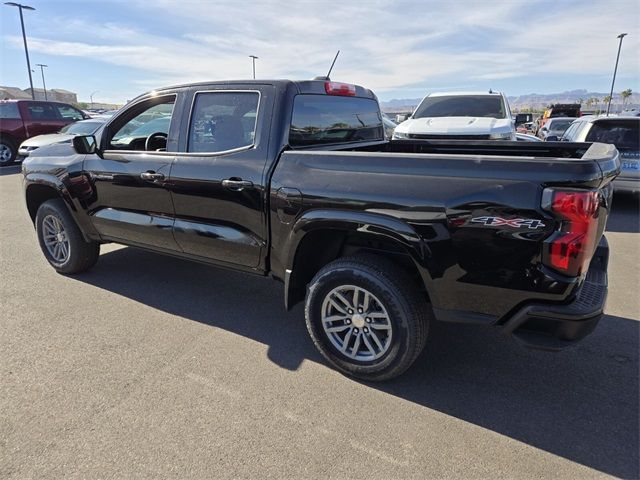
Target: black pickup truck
379, 238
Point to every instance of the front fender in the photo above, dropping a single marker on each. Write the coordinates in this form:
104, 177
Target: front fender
70, 188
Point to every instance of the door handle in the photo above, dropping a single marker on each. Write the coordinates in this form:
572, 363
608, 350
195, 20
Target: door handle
236, 184
152, 176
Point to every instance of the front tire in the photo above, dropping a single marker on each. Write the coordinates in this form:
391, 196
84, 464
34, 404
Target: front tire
367, 317
61, 241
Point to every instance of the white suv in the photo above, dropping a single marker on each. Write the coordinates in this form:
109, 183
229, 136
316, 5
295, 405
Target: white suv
460, 115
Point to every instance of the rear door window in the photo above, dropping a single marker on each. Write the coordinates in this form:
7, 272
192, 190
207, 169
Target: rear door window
624, 134
42, 111
222, 121
326, 119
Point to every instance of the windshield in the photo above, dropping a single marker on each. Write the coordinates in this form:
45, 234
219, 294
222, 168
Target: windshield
490, 106
81, 128
560, 125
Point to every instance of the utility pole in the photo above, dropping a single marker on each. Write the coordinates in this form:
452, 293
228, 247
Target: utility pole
615, 70
24, 39
44, 85
253, 58
91, 97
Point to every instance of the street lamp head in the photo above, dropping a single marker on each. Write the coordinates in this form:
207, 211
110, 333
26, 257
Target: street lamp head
41, 65
253, 56
19, 5
622, 35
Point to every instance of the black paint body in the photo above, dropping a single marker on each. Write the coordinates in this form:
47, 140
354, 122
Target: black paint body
414, 199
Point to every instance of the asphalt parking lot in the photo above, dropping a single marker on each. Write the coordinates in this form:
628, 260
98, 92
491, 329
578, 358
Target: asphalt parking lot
151, 366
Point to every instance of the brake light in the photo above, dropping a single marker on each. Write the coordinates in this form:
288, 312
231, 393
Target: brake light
337, 88
570, 250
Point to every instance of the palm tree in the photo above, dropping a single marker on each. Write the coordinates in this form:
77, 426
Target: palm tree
625, 94
589, 102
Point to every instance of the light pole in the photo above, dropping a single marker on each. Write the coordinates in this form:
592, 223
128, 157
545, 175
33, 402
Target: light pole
44, 85
24, 38
253, 58
91, 97
615, 70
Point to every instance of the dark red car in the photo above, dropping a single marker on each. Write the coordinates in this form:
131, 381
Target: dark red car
22, 119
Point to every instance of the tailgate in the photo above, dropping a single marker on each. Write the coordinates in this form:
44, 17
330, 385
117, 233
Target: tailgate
608, 159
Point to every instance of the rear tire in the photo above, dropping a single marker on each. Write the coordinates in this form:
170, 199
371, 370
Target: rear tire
60, 239
8, 151
367, 317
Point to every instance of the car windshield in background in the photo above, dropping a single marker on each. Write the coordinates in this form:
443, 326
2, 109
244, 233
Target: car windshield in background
81, 128
325, 119
490, 106
157, 125
561, 125
624, 134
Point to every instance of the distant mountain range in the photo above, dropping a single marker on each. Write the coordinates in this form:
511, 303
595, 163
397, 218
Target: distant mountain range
531, 100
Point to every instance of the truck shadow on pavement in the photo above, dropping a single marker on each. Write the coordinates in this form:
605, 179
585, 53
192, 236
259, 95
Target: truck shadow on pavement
581, 404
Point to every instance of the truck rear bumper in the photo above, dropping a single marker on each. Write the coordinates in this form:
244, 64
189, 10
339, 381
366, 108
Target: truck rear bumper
553, 327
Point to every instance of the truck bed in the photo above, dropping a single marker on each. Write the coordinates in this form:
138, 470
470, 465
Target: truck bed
434, 190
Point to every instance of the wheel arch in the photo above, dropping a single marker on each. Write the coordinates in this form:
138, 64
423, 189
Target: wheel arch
321, 236
39, 191
41, 187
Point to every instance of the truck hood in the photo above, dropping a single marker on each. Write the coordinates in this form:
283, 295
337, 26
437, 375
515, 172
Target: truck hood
42, 140
456, 125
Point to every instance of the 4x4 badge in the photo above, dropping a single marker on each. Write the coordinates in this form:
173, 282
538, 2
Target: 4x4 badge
513, 222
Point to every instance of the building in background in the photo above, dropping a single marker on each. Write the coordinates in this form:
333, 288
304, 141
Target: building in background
54, 95
13, 93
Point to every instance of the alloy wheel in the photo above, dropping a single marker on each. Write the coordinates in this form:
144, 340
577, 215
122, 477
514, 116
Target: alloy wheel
356, 323
55, 238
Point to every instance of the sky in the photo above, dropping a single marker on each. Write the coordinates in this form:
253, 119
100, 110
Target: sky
400, 49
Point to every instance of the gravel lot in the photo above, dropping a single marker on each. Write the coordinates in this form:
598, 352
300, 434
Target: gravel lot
150, 366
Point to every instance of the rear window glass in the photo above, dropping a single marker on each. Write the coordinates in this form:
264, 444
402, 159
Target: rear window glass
327, 119
624, 134
9, 110
490, 106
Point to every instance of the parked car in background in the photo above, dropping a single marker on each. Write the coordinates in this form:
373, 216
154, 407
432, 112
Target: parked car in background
558, 110
624, 133
22, 119
554, 128
83, 127
460, 115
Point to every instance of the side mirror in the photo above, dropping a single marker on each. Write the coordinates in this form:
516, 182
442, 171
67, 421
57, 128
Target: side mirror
551, 138
85, 144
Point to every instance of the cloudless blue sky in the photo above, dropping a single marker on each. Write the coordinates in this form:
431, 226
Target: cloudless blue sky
400, 49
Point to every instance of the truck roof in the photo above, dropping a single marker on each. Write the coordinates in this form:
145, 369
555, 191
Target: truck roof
302, 86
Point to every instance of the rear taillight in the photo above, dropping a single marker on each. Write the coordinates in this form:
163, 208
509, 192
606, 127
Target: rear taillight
570, 250
337, 88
